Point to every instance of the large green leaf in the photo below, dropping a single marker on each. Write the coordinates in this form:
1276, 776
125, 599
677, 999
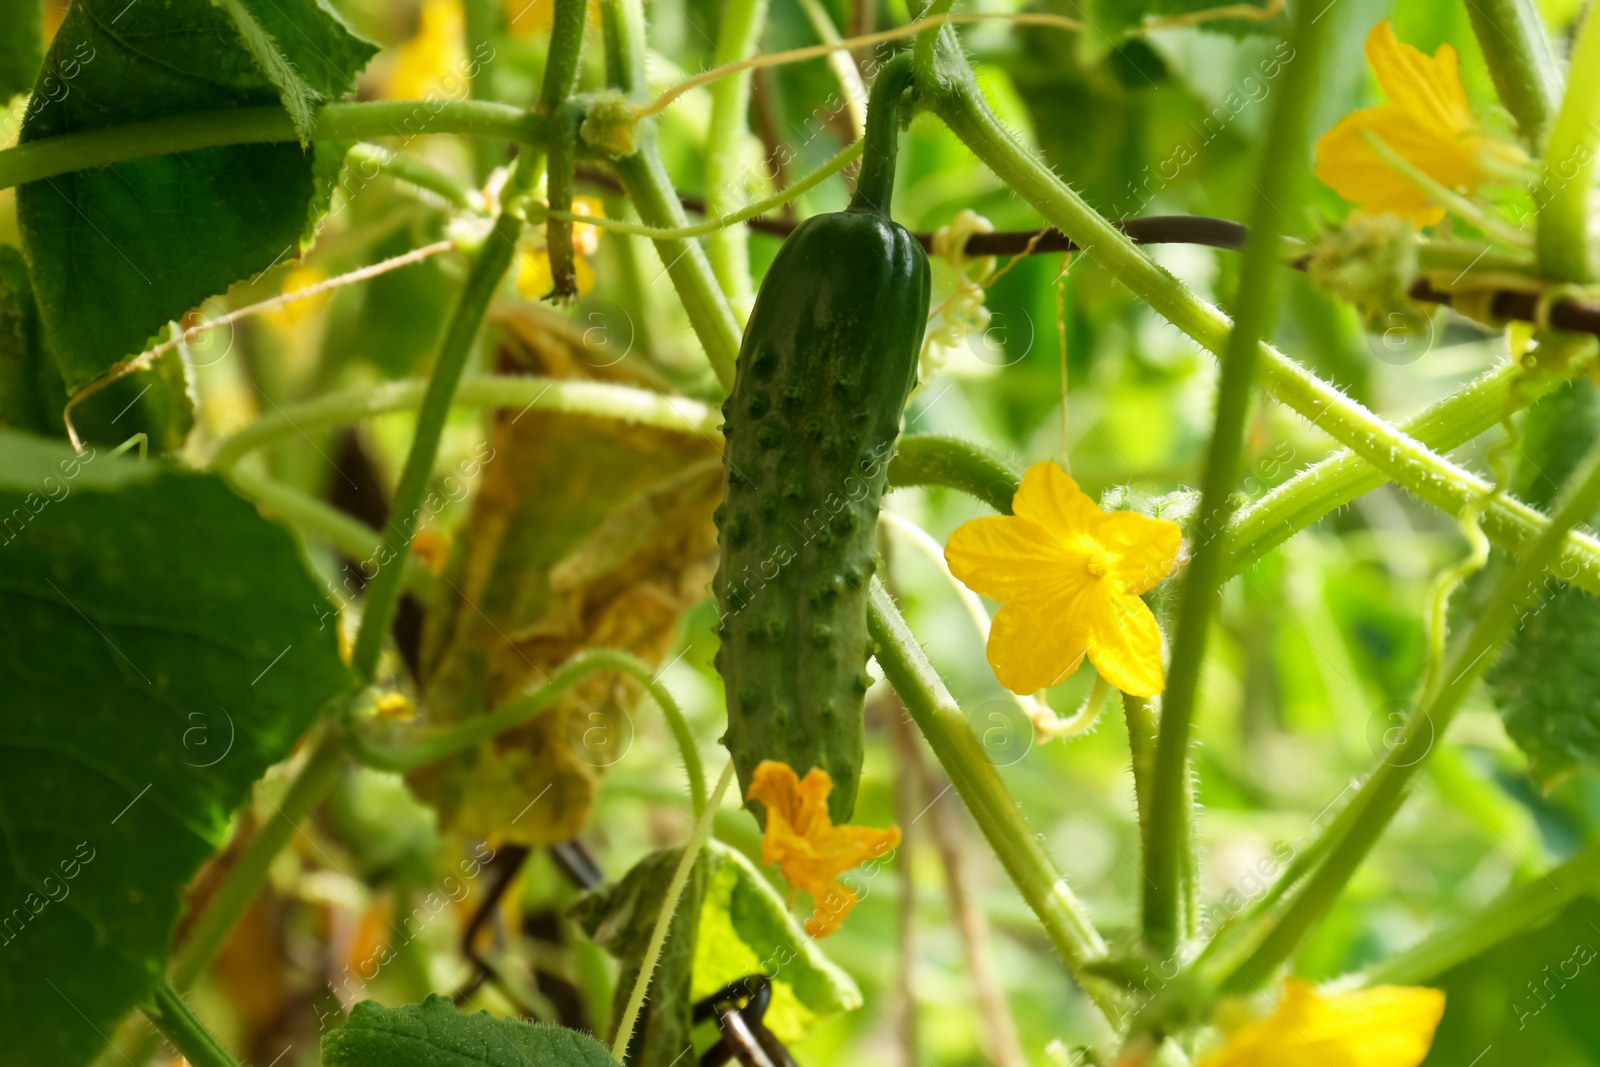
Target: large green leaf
21, 46
161, 647
620, 919
435, 1034
1547, 682
154, 401
117, 253
31, 396
746, 929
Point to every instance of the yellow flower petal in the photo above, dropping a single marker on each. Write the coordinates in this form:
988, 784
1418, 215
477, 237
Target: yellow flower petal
1125, 646
802, 840
429, 63
1142, 549
1003, 557
1070, 575
1428, 122
1426, 87
1050, 497
1035, 644
1387, 1026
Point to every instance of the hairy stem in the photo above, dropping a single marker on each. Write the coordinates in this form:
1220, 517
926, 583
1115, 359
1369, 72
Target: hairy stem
1357, 828
246, 876
1525, 72
184, 1029
669, 905
1331, 483
961, 753
1509, 914
738, 35
466, 318
259, 125
1569, 165
1401, 457
645, 179
597, 399
1171, 830
933, 459
433, 745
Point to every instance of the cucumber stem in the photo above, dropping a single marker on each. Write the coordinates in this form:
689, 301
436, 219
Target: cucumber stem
875, 184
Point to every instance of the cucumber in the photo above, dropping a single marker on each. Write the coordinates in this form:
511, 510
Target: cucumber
827, 364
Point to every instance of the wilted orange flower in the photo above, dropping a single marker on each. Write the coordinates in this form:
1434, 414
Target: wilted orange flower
1387, 1026
1427, 122
810, 851
1070, 576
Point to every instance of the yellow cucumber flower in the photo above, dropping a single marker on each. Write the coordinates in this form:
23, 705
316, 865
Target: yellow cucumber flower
429, 64
525, 17
1427, 122
1386, 1026
533, 263
810, 851
1070, 576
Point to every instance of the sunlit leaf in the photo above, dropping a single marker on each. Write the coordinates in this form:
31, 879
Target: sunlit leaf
117, 253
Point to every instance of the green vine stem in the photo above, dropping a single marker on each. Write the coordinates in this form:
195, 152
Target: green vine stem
1405, 460
489, 267
738, 34
562, 149
1356, 829
1140, 715
623, 403
1512, 912
722, 223
1171, 829
1335, 481
432, 745
412, 170
875, 183
961, 753
1517, 50
1563, 239
669, 905
933, 459
363, 121
644, 178
198, 1045
245, 878
326, 523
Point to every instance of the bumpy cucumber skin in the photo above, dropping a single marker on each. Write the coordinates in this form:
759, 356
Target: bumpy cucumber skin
828, 361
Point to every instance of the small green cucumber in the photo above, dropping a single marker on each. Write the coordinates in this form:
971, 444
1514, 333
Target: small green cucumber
827, 364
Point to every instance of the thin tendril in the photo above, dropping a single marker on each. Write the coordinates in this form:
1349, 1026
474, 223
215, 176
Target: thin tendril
146, 358
848, 155
1477, 558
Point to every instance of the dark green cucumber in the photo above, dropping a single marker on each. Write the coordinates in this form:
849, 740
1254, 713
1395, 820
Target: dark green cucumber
828, 361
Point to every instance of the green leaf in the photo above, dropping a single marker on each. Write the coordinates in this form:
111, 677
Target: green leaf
435, 1034
31, 395
620, 918
746, 929
161, 646
119, 252
1547, 681
21, 46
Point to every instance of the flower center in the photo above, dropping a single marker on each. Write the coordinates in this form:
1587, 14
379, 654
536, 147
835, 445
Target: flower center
1097, 564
